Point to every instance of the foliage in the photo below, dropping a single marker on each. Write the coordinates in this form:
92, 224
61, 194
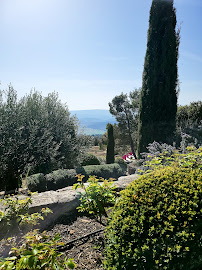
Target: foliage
15, 214
158, 99
89, 159
188, 115
126, 112
64, 178
37, 134
60, 179
96, 195
157, 222
122, 144
189, 125
37, 252
121, 162
190, 158
105, 171
110, 145
36, 182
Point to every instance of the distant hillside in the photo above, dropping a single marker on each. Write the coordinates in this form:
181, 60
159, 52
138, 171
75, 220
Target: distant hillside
94, 121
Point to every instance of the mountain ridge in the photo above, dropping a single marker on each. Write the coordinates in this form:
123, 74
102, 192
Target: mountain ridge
93, 122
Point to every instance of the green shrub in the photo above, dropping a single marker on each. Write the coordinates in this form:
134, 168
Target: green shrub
90, 159
60, 179
121, 162
96, 196
105, 171
36, 182
15, 216
38, 252
64, 178
157, 222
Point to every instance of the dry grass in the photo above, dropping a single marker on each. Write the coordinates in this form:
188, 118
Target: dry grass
95, 150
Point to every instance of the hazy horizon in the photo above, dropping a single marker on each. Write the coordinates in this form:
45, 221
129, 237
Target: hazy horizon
90, 51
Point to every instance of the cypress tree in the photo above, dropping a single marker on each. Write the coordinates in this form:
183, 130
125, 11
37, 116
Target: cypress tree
110, 145
158, 99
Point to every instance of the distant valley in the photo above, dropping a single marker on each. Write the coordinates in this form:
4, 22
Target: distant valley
93, 122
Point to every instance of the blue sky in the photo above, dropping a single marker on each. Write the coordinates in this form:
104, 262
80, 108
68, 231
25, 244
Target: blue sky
90, 50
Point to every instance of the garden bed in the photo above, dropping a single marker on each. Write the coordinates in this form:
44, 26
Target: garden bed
87, 251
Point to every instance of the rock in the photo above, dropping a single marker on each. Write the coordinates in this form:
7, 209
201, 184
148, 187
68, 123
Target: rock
124, 181
65, 200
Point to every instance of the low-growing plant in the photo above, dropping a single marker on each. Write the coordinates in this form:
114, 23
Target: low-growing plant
106, 171
36, 182
96, 195
157, 222
37, 252
15, 214
90, 159
60, 179
192, 157
121, 162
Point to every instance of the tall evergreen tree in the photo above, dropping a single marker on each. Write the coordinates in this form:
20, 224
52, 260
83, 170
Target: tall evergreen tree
110, 145
158, 100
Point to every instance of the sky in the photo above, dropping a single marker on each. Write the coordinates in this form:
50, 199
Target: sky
89, 51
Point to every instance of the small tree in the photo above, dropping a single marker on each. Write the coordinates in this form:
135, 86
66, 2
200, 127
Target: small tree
110, 145
125, 109
37, 134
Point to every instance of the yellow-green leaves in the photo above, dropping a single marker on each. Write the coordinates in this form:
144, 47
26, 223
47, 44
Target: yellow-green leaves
159, 216
38, 252
97, 195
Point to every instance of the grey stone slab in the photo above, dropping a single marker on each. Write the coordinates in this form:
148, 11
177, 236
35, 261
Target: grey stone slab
65, 200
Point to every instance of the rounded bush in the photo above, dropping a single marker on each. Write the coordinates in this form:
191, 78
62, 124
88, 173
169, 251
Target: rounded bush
60, 179
157, 222
121, 162
36, 182
105, 171
90, 159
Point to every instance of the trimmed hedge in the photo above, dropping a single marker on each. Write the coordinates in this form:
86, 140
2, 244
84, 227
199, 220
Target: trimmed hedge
157, 222
64, 178
60, 179
106, 171
36, 182
90, 159
121, 162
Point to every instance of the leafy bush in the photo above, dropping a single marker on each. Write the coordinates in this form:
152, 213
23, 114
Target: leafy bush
15, 214
121, 162
189, 114
105, 171
37, 134
60, 179
157, 222
64, 178
36, 182
38, 251
96, 197
90, 159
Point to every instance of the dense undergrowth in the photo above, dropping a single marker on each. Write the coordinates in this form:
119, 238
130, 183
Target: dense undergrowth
38, 250
157, 222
